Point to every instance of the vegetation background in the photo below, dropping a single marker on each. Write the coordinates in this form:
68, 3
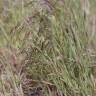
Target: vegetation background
47, 48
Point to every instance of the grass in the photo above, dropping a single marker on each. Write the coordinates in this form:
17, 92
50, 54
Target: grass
47, 44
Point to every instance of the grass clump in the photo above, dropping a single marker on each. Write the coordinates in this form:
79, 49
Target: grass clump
50, 46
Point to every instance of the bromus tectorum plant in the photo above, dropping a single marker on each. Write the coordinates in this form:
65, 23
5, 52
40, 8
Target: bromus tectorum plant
47, 48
